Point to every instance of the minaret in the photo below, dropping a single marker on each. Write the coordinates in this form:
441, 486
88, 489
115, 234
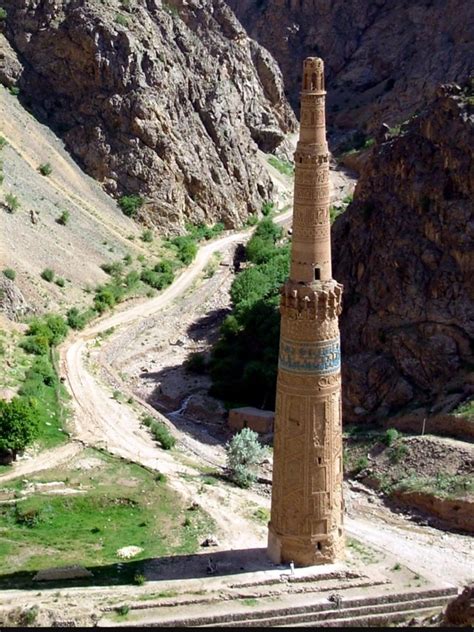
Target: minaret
307, 506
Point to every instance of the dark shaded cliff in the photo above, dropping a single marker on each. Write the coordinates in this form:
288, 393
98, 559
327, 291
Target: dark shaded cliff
404, 251
167, 99
383, 59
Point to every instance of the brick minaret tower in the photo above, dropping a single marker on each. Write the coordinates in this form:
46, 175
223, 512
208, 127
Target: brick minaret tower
307, 506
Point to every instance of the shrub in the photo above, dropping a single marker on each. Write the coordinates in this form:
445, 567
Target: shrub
161, 433
3, 14
244, 452
186, 248
121, 19
122, 610
77, 319
9, 273
60, 282
132, 279
107, 296
196, 363
361, 464
147, 236
155, 279
252, 220
14, 90
390, 436
28, 616
114, 269
268, 208
63, 218
3, 142
130, 204
45, 169
44, 333
12, 202
47, 275
139, 579
127, 259
165, 266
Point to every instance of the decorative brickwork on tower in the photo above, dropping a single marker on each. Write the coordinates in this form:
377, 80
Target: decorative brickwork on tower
307, 505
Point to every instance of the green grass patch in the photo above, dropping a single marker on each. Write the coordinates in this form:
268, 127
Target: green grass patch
441, 485
283, 166
121, 505
14, 361
466, 409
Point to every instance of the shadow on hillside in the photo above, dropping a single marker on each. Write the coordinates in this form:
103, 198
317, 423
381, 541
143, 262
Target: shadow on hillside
206, 329
172, 567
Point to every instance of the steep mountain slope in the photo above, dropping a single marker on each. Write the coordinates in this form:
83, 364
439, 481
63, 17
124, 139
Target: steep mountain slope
31, 237
404, 251
383, 59
168, 99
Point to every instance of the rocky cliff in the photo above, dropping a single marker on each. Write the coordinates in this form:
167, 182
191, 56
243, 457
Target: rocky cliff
383, 59
170, 100
404, 252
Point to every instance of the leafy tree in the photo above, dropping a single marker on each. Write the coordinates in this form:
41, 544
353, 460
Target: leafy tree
243, 364
18, 425
244, 453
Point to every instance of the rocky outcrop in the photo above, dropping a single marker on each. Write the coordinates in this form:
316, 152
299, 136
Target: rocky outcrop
383, 59
450, 513
10, 67
404, 252
170, 100
12, 301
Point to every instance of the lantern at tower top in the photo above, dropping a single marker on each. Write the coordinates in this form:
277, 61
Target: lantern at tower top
313, 75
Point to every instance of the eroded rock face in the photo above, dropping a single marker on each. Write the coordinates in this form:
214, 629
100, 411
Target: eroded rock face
404, 252
383, 59
10, 67
12, 301
169, 100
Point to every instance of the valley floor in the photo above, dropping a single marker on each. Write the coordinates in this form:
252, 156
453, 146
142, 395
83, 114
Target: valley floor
129, 352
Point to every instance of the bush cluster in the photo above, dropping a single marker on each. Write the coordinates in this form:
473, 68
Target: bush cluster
130, 204
160, 432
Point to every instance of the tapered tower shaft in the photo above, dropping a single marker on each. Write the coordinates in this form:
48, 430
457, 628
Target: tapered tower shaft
307, 506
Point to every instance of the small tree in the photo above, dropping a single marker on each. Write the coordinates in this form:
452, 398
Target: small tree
244, 452
18, 425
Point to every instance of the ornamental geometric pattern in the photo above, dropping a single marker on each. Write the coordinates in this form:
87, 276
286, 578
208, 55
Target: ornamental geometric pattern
310, 357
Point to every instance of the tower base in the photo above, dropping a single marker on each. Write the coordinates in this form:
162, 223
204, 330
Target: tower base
304, 551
